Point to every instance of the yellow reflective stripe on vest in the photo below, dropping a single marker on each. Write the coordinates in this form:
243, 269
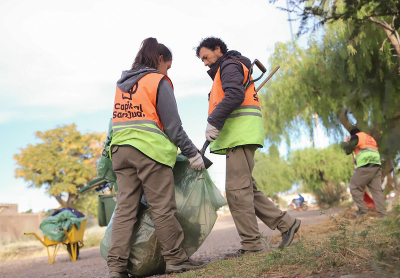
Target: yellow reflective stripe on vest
146, 128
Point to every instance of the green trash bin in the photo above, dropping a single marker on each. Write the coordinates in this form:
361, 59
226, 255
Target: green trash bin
106, 208
106, 202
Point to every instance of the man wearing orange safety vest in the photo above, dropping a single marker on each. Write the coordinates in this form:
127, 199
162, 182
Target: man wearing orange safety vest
367, 172
235, 129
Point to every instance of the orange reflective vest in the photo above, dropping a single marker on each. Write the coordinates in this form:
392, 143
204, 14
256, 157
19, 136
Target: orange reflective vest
135, 120
366, 150
244, 125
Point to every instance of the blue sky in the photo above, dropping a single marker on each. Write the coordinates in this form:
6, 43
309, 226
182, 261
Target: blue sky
59, 62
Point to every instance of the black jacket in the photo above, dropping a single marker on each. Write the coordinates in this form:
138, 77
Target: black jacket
232, 77
351, 146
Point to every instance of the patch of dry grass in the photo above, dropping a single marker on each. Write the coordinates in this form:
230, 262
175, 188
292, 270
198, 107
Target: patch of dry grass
342, 245
23, 250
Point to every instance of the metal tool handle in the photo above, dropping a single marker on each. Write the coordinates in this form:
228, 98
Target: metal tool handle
205, 146
260, 66
207, 162
268, 78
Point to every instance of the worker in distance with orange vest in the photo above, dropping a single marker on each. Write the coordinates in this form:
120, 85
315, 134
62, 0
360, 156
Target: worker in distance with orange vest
367, 172
235, 129
146, 133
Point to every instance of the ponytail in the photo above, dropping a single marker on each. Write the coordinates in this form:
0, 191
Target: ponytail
149, 53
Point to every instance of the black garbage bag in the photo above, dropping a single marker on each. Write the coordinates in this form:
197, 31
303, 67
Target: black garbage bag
197, 199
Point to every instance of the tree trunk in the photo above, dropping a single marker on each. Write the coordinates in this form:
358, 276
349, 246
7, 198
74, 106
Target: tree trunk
344, 120
61, 201
72, 199
394, 184
395, 200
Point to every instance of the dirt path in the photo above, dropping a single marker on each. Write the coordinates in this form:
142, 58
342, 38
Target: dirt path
223, 239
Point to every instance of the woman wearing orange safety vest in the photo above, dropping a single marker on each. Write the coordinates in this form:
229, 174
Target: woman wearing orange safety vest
146, 133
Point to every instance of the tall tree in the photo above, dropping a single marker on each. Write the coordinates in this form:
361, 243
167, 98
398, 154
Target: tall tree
339, 83
322, 171
385, 14
272, 173
62, 163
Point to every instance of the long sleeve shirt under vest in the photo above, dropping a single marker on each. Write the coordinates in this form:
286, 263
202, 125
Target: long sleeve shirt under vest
232, 77
167, 110
351, 145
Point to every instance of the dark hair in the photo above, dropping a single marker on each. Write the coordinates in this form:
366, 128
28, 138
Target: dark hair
150, 51
354, 131
211, 43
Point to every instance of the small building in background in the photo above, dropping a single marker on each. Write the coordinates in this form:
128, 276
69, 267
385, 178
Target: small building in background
13, 225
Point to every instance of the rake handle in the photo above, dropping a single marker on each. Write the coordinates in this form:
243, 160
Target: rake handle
268, 78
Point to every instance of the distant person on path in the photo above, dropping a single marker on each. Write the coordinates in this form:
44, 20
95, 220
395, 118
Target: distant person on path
367, 172
299, 200
146, 133
235, 129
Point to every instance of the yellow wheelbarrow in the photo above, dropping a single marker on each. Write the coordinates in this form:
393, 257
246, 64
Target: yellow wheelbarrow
73, 242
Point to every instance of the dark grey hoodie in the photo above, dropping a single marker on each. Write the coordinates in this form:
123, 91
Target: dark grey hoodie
232, 77
166, 108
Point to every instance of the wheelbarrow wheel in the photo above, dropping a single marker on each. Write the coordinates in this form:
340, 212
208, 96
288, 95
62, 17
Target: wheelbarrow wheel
76, 246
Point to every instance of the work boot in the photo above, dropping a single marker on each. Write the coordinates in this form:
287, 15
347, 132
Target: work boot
287, 237
242, 252
187, 265
114, 274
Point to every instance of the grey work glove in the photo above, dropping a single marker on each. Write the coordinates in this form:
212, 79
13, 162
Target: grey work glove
212, 133
196, 162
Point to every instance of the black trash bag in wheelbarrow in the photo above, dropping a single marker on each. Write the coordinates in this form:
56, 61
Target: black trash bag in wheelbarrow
197, 199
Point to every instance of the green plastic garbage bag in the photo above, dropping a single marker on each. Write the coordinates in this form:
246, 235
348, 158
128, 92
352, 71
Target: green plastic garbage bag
104, 167
197, 199
52, 227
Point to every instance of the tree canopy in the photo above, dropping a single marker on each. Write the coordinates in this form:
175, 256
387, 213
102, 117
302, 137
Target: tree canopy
324, 172
318, 168
328, 11
339, 83
360, 14
272, 173
62, 162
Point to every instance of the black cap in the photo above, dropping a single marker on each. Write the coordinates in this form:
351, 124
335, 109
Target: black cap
354, 131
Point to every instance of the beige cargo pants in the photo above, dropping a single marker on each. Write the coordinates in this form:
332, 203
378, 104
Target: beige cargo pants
137, 173
246, 202
371, 177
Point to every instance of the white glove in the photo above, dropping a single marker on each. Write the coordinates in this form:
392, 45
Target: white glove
212, 133
196, 162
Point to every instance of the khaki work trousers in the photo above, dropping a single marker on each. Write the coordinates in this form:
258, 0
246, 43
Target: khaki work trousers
371, 177
246, 201
137, 173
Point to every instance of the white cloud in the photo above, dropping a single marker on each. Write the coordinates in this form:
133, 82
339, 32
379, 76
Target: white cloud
17, 192
60, 59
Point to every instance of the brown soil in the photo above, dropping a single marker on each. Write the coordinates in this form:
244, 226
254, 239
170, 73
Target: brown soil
222, 240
